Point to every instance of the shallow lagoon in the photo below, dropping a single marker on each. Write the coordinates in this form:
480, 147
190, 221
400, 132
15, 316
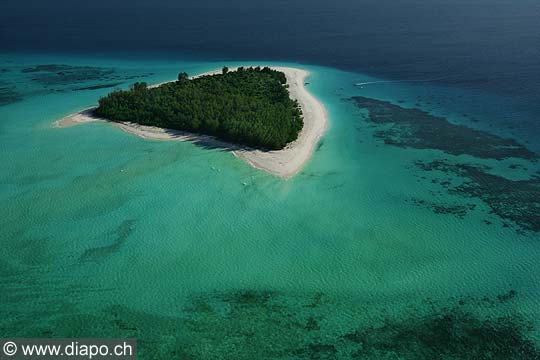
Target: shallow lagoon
105, 233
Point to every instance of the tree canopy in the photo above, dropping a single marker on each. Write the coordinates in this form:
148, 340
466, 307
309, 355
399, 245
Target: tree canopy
250, 106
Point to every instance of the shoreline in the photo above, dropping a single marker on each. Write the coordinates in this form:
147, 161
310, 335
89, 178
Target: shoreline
284, 163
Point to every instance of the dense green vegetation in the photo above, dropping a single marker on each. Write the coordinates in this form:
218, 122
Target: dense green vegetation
248, 106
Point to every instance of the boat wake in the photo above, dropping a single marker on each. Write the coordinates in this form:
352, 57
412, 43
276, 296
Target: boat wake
398, 81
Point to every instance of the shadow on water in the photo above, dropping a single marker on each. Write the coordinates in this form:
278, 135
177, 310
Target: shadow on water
204, 141
209, 142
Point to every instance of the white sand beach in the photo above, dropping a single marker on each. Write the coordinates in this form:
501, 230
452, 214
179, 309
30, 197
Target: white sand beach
284, 163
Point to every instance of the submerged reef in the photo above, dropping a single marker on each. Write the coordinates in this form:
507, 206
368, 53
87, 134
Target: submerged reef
418, 129
457, 210
445, 334
514, 200
8, 95
61, 77
120, 236
54, 74
258, 324
97, 87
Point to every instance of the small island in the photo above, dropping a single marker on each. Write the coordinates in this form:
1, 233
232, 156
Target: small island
249, 106
263, 115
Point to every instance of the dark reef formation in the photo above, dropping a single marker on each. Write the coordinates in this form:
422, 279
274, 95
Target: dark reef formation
8, 95
60, 77
514, 200
253, 324
458, 211
445, 334
54, 74
120, 236
97, 87
418, 129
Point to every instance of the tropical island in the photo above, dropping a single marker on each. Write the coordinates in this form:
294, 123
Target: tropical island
264, 115
249, 106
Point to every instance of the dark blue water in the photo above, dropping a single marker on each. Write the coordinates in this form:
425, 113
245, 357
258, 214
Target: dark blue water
487, 44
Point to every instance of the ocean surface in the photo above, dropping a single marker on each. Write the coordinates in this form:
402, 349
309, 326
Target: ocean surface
411, 235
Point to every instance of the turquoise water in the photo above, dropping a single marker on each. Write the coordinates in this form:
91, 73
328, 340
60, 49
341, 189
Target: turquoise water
198, 255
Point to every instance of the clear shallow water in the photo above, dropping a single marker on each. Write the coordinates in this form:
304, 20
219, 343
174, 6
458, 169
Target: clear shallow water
107, 234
